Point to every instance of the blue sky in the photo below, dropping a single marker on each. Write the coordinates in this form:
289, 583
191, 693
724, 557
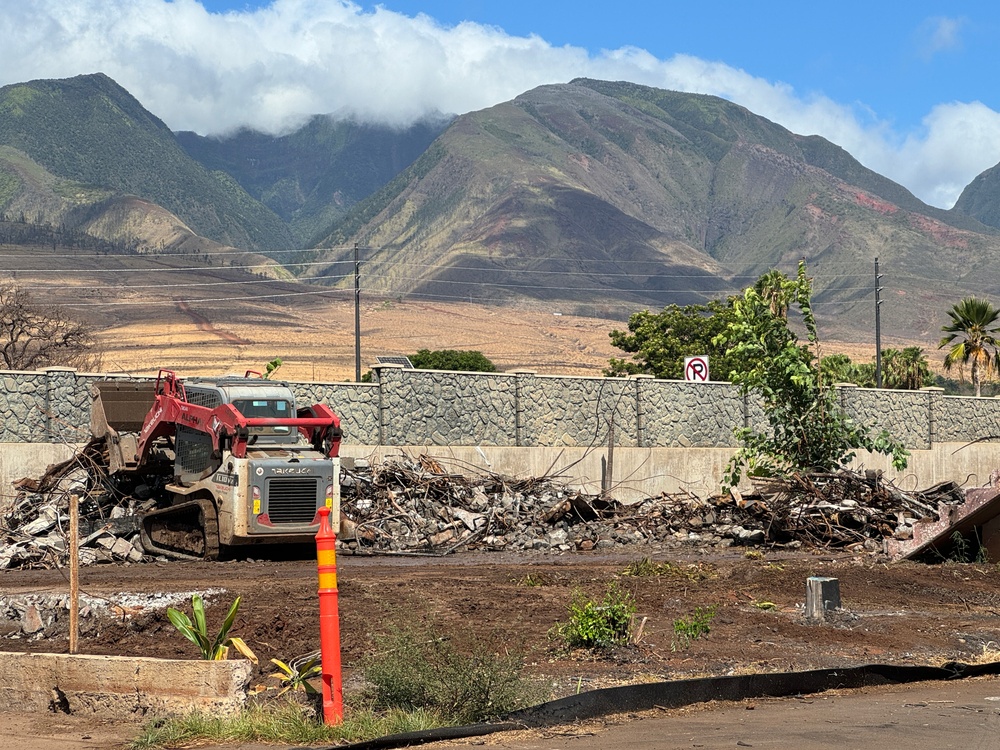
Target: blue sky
895, 59
906, 88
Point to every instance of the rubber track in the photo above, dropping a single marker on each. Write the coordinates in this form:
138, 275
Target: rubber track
596, 703
209, 529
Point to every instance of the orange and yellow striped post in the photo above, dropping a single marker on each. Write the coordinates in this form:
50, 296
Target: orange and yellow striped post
329, 621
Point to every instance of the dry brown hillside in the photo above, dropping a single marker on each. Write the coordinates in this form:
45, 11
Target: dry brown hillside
169, 311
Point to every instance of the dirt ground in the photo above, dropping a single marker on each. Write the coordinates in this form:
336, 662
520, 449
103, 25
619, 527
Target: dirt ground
903, 613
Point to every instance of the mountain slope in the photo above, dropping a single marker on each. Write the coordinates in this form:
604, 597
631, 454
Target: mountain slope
981, 198
89, 131
314, 175
595, 189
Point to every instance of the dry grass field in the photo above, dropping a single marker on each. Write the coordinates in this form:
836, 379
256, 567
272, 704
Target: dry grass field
166, 311
317, 341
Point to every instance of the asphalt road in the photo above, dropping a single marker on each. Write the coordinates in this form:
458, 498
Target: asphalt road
924, 716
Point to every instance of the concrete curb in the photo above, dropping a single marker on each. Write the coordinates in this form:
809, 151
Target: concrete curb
115, 687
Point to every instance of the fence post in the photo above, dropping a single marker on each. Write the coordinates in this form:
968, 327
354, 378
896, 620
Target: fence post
933, 396
640, 415
519, 426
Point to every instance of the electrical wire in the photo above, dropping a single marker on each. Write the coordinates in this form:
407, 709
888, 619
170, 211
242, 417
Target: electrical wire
384, 283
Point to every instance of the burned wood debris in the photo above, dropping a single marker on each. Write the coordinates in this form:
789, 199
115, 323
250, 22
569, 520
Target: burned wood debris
417, 506
34, 531
409, 505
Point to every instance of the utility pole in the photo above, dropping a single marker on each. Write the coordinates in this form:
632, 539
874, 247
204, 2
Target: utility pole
878, 327
357, 315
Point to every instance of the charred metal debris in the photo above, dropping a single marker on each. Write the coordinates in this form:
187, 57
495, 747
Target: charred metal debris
411, 505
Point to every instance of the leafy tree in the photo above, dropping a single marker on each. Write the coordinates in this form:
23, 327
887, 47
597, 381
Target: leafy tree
808, 431
659, 342
970, 338
838, 368
33, 336
452, 359
906, 369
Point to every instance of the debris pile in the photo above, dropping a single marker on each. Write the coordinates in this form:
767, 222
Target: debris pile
415, 506
38, 616
34, 531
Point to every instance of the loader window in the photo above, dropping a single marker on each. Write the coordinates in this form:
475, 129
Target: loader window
265, 407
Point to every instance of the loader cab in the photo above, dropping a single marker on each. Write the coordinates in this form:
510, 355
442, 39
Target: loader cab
252, 397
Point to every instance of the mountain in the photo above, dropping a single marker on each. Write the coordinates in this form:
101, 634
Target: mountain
89, 142
594, 190
314, 175
981, 198
593, 197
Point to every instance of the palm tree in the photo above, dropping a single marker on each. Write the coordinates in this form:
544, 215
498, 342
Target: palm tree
971, 339
905, 370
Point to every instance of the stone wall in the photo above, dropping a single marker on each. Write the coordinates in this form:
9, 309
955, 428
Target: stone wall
426, 407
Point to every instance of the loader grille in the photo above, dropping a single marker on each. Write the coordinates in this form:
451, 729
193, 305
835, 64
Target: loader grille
292, 499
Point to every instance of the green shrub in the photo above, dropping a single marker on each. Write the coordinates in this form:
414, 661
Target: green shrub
598, 624
413, 669
699, 625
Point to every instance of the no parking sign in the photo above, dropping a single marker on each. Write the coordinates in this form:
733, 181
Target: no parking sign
696, 369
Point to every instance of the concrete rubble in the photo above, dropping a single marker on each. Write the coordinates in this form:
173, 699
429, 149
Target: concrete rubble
409, 505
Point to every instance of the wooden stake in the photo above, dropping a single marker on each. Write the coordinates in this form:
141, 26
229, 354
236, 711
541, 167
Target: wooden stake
74, 573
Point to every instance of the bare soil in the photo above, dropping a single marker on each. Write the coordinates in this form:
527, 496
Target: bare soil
903, 613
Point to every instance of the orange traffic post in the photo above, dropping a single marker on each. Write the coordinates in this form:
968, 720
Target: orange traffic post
329, 621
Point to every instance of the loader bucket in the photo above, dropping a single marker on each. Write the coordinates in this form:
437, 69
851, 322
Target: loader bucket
120, 406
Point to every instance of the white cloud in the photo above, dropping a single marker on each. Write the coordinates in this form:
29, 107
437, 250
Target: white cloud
939, 34
270, 67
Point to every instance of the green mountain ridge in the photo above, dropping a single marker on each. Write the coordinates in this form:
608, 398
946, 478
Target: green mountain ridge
314, 175
596, 197
647, 196
91, 131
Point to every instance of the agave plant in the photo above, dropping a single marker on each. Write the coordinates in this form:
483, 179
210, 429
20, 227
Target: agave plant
197, 631
295, 675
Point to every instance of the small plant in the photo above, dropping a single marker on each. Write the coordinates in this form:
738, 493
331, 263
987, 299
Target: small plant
765, 605
961, 551
196, 631
279, 723
414, 668
699, 625
602, 624
645, 568
295, 675
753, 554
533, 580
272, 367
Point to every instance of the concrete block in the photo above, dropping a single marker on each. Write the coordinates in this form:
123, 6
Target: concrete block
822, 594
114, 687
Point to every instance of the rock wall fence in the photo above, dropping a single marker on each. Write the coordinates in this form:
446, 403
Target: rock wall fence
424, 407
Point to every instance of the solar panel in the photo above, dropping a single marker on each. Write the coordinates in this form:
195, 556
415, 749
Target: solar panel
394, 360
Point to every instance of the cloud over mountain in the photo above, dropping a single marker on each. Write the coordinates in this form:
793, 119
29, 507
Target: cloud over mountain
271, 67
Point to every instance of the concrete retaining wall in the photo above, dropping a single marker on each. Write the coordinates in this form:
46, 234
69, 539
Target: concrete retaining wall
418, 407
524, 422
116, 687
